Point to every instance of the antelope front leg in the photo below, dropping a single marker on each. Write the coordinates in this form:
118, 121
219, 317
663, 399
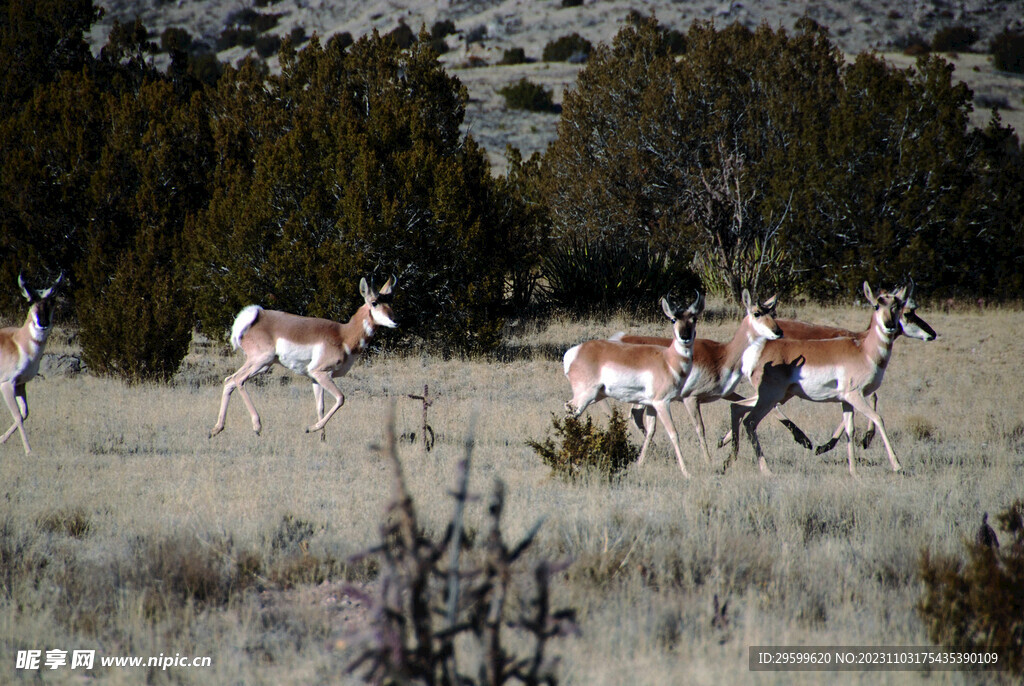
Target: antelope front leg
665, 415
861, 404
692, 406
848, 427
8, 391
19, 394
870, 433
325, 380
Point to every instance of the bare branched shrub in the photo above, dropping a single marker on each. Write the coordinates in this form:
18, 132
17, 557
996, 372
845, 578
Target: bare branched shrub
979, 602
586, 448
426, 602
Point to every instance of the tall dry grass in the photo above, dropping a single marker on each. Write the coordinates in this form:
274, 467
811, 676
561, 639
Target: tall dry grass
129, 531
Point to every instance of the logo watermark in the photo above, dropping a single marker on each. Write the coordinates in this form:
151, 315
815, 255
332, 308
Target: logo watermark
38, 660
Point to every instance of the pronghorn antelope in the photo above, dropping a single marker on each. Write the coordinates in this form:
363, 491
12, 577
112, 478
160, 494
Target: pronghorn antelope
21, 349
647, 375
911, 326
717, 367
320, 349
843, 370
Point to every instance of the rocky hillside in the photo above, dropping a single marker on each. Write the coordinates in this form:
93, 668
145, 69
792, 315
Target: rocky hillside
486, 28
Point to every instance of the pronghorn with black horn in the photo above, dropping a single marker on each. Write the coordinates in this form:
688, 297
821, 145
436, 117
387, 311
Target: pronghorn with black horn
21, 349
648, 375
320, 349
911, 326
843, 370
717, 367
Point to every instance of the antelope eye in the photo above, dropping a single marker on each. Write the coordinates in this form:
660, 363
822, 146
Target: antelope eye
373, 304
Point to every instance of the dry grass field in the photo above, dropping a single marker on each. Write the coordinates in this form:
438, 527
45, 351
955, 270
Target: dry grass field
129, 532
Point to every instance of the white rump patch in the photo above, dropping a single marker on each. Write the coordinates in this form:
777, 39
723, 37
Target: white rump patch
569, 358
617, 337
242, 323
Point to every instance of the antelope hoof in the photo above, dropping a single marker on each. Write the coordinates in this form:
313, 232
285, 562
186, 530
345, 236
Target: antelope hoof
216, 430
822, 449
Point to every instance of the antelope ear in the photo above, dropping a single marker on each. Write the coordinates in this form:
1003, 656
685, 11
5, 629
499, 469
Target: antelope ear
364, 288
770, 303
388, 285
25, 290
746, 299
869, 295
667, 309
698, 305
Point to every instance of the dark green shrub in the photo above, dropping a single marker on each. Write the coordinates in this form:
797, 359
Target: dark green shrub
257, 21
584, 448
1008, 51
567, 47
439, 45
298, 35
978, 603
572, 3
402, 35
267, 45
513, 56
174, 38
236, 35
205, 68
138, 327
954, 39
334, 170
527, 95
913, 44
584, 275
674, 39
476, 34
442, 28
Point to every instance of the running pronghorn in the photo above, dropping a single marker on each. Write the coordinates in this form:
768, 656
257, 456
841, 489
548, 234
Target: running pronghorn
320, 349
717, 367
21, 349
910, 325
648, 375
843, 370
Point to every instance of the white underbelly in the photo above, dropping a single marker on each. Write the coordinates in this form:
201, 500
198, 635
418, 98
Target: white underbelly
819, 385
298, 357
629, 388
